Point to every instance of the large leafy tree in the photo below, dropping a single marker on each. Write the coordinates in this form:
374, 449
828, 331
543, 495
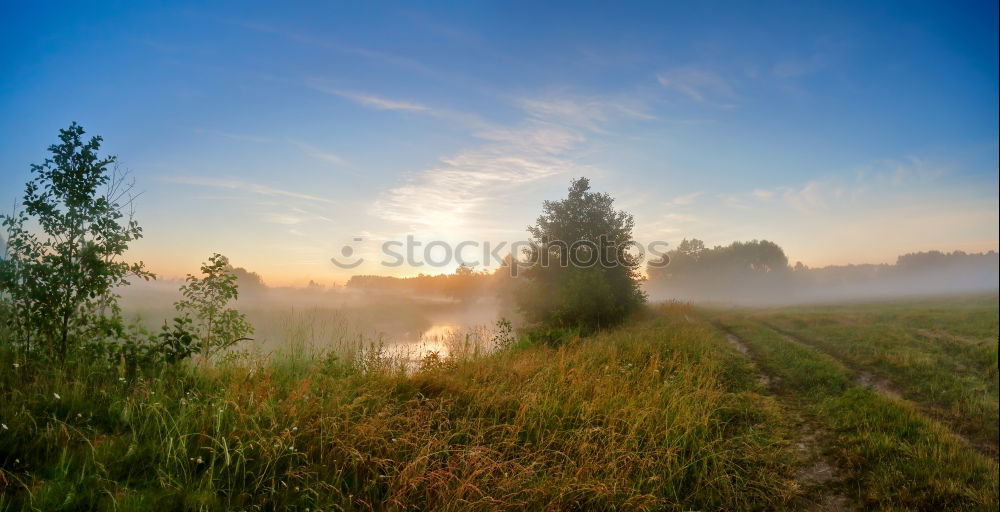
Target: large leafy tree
65, 247
579, 271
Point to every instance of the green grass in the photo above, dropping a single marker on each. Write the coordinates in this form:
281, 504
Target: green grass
940, 354
660, 415
892, 456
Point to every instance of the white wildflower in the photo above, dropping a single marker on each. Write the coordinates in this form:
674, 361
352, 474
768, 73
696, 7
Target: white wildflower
57, 396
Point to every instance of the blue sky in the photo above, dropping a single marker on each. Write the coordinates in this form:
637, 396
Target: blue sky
846, 132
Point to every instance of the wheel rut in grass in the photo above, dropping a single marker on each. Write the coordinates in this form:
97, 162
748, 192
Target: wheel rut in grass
865, 379
886, 388
878, 385
816, 476
763, 378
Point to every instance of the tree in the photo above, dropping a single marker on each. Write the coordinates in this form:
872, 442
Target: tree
691, 248
57, 282
579, 271
731, 272
249, 282
204, 304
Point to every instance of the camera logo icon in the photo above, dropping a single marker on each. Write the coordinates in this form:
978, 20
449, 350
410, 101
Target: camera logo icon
347, 252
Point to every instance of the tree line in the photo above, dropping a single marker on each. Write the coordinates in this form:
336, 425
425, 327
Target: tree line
759, 271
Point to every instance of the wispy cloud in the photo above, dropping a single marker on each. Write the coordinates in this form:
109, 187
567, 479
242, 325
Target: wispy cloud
470, 185
294, 216
733, 200
232, 184
877, 179
331, 44
663, 226
474, 184
699, 84
470, 121
897, 172
315, 152
233, 136
795, 67
811, 196
685, 200
371, 100
536, 135
590, 113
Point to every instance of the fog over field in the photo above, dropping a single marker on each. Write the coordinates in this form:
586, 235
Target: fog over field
758, 273
421, 313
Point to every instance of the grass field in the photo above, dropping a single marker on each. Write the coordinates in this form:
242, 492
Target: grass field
887, 406
940, 355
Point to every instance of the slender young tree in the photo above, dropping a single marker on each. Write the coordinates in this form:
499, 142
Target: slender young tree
65, 248
205, 304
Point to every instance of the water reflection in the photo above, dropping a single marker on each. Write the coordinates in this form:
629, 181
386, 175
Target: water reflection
444, 340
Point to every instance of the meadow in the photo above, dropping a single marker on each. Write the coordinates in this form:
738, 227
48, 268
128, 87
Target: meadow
875, 406
499, 256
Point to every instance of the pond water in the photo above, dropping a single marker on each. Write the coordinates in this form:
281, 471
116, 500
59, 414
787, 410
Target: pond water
445, 340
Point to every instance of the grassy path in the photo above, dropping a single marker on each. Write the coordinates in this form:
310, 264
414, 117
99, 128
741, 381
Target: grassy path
876, 382
892, 457
815, 475
943, 356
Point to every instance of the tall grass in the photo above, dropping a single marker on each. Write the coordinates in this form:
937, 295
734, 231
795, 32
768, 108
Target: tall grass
659, 415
